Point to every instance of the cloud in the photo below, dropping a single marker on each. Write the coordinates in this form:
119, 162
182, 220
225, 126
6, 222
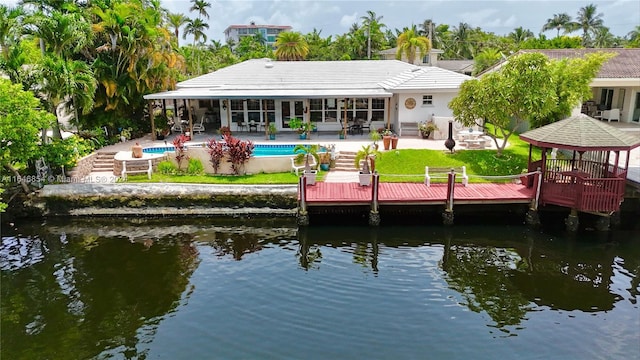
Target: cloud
347, 20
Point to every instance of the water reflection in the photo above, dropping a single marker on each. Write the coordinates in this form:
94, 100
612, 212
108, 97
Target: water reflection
104, 287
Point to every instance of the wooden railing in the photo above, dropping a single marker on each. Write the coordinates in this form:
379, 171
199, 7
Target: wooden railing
601, 195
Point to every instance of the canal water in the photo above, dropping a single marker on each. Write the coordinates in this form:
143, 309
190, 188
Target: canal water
258, 289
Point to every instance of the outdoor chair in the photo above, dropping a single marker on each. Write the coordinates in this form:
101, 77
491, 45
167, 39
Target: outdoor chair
295, 168
613, 114
367, 126
199, 127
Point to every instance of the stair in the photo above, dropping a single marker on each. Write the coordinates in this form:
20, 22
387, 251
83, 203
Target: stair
344, 162
103, 161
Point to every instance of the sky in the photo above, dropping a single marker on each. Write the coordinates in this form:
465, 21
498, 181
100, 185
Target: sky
336, 17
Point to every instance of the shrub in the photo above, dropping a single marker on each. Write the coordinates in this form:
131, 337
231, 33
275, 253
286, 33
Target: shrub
216, 153
195, 167
239, 152
180, 149
167, 168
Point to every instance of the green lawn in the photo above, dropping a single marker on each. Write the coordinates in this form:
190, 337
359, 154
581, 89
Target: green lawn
393, 166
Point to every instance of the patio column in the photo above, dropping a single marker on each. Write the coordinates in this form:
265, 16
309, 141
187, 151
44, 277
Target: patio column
190, 115
153, 122
266, 119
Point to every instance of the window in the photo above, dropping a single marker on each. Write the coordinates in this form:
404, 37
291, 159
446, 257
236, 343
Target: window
315, 107
606, 98
242, 31
425, 59
427, 100
377, 109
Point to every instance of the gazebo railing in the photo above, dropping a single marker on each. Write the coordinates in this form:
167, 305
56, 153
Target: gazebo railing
600, 195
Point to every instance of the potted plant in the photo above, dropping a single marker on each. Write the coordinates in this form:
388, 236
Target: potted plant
375, 137
325, 160
367, 153
394, 141
426, 128
303, 128
225, 130
305, 152
386, 138
342, 134
272, 130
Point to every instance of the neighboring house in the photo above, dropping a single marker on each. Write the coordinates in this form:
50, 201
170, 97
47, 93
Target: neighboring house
269, 32
617, 85
431, 59
328, 93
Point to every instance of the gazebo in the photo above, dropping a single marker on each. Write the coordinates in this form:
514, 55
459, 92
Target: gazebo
588, 180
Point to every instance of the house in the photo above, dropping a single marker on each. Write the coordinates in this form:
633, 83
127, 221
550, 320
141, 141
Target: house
269, 32
432, 59
617, 85
330, 94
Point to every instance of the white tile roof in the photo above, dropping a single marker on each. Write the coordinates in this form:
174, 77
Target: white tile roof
266, 78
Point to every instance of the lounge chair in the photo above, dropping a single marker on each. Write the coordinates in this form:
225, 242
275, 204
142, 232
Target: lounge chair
613, 114
296, 168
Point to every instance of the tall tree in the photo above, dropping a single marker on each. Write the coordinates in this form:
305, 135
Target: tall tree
374, 27
527, 89
201, 7
176, 20
291, 46
461, 43
64, 80
589, 20
196, 28
603, 38
634, 37
410, 44
9, 28
518, 35
559, 22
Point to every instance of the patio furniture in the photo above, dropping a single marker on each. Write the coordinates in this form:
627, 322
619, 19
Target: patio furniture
176, 125
199, 127
253, 127
296, 168
367, 126
613, 114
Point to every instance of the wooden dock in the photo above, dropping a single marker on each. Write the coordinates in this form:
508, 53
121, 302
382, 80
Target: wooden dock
352, 194
346, 194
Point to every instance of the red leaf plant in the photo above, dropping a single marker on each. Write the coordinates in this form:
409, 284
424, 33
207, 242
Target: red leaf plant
180, 149
239, 152
216, 153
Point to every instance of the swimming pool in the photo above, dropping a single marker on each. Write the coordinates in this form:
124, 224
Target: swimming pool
258, 150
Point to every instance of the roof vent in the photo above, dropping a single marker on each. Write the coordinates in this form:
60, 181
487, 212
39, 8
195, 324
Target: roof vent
268, 64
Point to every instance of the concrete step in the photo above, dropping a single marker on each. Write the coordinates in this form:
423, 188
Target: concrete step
103, 161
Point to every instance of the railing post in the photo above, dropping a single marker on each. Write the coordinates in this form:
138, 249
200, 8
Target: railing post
374, 214
303, 216
447, 215
532, 217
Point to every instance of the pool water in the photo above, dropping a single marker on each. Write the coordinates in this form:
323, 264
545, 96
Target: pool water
259, 149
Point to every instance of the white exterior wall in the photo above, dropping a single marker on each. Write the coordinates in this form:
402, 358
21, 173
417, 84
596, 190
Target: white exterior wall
421, 112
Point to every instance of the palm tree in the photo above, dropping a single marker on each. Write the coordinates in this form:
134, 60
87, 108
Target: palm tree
634, 36
67, 79
201, 7
374, 26
63, 33
409, 43
460, 41
176, 20
519, 35
9, 28
291, 46
603, 38
588, 20
196, 28
559, 21
485, 59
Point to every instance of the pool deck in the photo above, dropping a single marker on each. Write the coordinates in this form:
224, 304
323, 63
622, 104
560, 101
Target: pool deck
351, 143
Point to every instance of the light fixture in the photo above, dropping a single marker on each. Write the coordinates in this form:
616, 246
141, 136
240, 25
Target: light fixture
224, 104
306, 109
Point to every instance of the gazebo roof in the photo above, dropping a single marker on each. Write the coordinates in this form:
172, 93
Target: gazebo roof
581, 133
